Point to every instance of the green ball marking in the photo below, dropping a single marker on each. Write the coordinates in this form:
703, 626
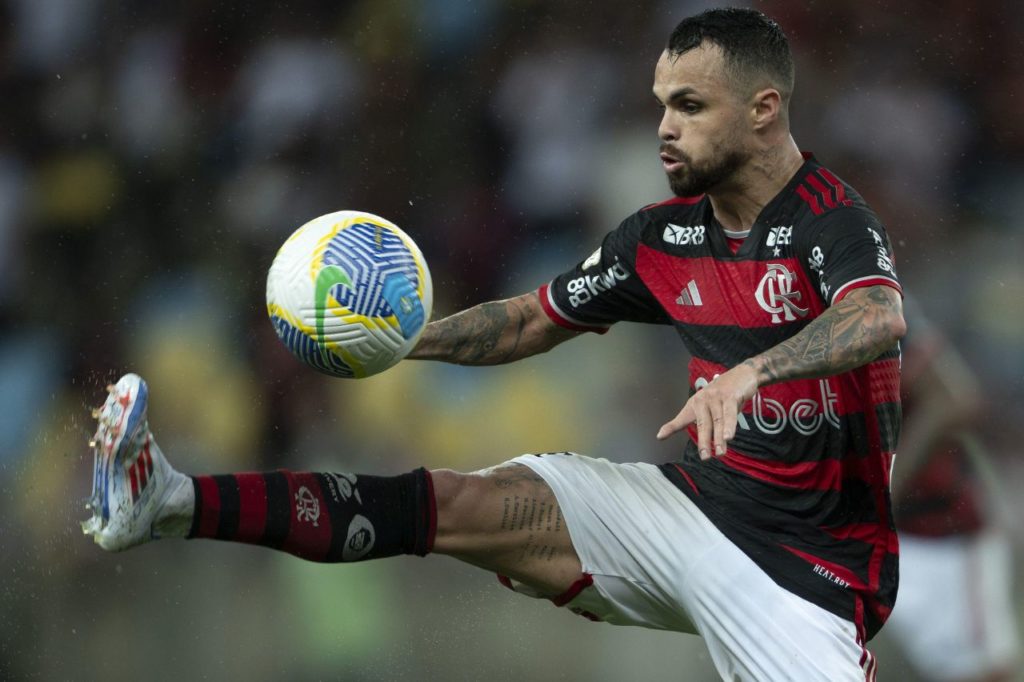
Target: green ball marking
329, 277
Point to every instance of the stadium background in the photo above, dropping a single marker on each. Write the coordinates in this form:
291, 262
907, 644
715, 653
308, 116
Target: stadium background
153, 156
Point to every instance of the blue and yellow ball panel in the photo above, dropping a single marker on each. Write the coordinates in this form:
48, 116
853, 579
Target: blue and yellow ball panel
384, 273
303, 346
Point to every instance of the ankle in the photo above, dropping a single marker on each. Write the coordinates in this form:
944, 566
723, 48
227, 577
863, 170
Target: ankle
174, 519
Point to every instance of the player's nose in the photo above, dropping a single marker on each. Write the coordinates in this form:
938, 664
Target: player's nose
667, 130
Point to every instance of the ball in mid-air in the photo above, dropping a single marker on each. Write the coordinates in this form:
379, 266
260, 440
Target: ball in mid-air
349, 294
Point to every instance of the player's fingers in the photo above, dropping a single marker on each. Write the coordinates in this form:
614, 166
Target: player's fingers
726, 429
717, 411
729, 417
678, 423
703, 418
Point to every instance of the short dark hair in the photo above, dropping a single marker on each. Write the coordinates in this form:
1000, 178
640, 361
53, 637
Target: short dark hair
755, 47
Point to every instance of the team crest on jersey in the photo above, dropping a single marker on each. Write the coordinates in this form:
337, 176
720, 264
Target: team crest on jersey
593, 259
776, 295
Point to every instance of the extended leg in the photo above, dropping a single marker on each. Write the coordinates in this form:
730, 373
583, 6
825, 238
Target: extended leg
504, 519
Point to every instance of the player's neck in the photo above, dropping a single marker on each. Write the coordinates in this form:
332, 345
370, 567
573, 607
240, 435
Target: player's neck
738, 205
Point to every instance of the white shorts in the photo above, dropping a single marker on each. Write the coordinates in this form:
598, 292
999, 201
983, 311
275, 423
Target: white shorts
651, 558
954, 612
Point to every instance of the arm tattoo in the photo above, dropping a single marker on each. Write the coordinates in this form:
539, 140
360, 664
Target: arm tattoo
853, 332
475, 333
490, 334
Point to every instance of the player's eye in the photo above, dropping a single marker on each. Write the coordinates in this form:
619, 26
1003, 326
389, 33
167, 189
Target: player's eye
690, 107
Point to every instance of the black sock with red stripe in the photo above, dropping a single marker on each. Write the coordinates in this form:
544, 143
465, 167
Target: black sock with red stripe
324, 517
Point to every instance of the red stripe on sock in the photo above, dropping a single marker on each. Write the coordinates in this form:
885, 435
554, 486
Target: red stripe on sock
309, 536
252, 506
210, 514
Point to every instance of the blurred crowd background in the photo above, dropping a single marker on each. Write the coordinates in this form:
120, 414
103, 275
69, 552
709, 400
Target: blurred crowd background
153, 156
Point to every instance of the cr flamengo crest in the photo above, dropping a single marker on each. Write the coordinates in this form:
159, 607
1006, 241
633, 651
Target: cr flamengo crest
775, 294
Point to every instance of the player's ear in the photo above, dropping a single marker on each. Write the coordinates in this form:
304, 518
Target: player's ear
767, 108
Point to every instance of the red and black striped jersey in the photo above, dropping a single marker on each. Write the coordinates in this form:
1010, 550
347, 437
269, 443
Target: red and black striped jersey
804, 486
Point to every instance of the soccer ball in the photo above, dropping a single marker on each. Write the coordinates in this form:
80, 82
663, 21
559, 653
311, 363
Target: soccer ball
349, 294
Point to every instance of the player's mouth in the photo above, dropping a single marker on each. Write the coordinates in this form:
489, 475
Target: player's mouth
670, 163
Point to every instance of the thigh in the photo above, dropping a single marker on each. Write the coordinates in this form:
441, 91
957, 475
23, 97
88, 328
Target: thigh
758, 630
506, 519
635, 535
656, 561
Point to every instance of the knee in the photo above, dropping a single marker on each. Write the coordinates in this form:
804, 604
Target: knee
459, 500
453, 491
448, 486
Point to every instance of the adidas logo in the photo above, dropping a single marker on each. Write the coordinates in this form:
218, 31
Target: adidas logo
689, 295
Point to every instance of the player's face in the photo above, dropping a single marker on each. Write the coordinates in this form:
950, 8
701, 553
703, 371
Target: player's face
704, 139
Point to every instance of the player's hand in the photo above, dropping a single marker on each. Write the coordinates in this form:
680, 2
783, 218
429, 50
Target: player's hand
714, 409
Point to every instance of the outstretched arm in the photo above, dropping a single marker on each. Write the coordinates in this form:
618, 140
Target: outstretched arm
851, 333
492, 333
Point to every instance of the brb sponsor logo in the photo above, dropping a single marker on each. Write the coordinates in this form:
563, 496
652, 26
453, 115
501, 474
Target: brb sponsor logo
684, 236
805, 416
775, 294
584, 289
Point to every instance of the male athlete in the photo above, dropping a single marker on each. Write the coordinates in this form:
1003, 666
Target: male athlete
772, 537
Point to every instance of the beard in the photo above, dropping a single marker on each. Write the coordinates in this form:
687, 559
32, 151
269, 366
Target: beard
695, 179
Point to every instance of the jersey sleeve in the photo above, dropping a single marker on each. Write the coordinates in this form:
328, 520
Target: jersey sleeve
846, 250
604, 288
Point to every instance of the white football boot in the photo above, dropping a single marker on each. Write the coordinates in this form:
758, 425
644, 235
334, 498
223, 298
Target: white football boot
132, 480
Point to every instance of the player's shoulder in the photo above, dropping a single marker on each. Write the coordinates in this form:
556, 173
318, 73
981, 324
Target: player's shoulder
669, 220
821, 196
822, 205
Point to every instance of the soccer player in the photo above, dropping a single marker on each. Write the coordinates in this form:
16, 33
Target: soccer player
955, 618
773, 536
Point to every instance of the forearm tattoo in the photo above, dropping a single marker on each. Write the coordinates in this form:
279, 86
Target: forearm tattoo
851, 333
488, 334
